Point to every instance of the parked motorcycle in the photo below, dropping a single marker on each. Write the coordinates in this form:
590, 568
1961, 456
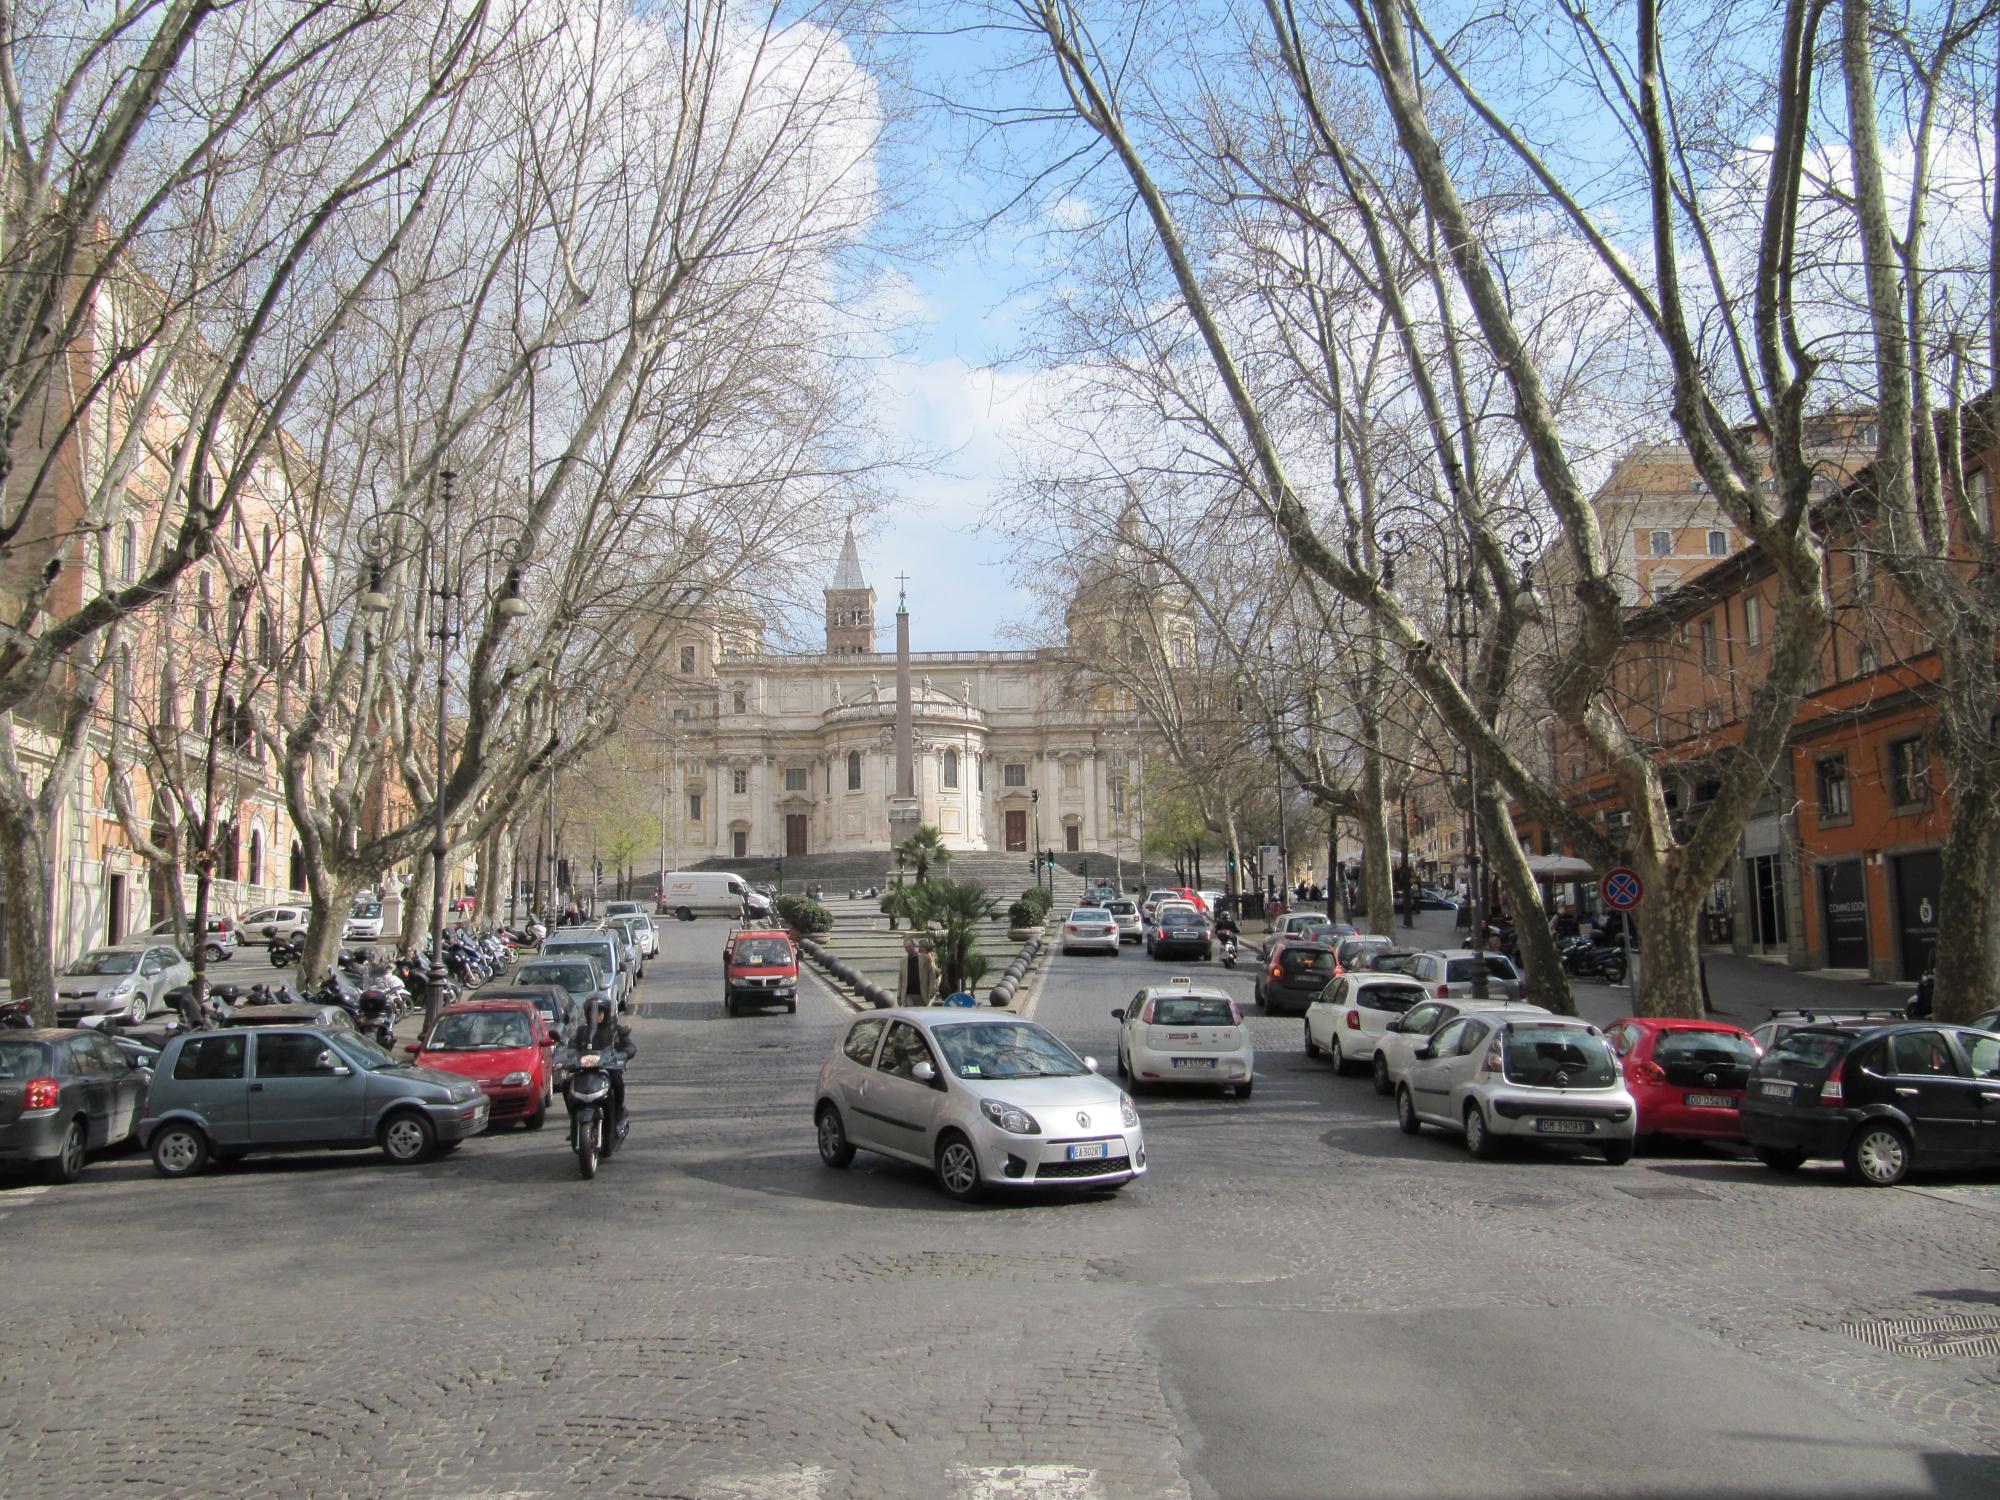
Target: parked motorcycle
284, 951
1586, 958
1919, 1006
593, 1134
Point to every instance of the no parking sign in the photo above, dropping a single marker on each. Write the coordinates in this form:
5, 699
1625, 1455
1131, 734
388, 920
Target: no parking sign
1622, 889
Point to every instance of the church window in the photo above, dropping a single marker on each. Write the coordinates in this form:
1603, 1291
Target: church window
1014, 774
741, 701
740, 782
795, 778
980, 770
1072, 775
687, 661
951, 768
854, 770
1117, 795
1183, 651
694, 807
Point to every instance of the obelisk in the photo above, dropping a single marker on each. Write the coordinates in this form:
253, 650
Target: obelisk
905, 810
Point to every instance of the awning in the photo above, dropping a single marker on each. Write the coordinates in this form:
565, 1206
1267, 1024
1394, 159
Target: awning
1558, 867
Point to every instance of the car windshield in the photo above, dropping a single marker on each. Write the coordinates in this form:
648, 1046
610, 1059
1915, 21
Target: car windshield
573, 977
1194, 1010
479, 1031
1122, 909
1003, 1049
363, 1053
1704, 1047
752, 952
1090, 914
20, 1059
1558, 1057
367, 911
104, 961
1810, 1049
1391, 963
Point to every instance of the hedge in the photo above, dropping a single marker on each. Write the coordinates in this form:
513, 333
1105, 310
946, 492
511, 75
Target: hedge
803, 914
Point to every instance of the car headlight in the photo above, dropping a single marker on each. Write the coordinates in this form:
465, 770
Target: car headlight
1131, 1115
1010, 1118
123, 987
515, 1080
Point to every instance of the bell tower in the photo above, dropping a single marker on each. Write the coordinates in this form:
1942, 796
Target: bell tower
850, 605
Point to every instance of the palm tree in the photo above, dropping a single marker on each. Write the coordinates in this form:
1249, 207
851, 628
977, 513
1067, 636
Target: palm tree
923, 849
956, 908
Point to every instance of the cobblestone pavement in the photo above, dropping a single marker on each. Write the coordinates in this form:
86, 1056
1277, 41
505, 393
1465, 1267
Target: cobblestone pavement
1294, 1302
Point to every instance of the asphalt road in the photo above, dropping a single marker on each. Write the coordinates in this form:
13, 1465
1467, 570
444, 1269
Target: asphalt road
1296, 1301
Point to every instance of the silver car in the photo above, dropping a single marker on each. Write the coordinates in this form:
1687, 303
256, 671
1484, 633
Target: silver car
639, 928
126, 979
1447, 974
1131, 926
986, 1101
223, 1094
1542, 1078
1091, 928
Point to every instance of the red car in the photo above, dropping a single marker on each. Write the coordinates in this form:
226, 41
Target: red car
501, 1045
1687, 1077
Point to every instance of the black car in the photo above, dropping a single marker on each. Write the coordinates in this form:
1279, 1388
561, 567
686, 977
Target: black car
1181, 933
1292, 980
64, 1094
1883, 1101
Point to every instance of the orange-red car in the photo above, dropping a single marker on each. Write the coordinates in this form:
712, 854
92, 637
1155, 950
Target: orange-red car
759, 967
501, 1045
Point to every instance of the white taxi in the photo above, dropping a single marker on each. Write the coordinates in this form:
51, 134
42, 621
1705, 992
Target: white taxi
1176, 1033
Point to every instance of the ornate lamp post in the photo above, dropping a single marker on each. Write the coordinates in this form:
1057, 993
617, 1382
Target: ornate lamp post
382, 545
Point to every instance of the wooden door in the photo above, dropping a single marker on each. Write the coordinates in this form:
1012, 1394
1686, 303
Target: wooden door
1017, 829
795, 834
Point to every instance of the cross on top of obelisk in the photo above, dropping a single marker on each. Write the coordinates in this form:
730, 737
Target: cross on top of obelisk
902, 591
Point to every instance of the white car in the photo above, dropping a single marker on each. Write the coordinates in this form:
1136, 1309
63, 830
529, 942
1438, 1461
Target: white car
289, 920
364, 921
1091, 928
1131, 926
1348, 1020
1175, 1033
986, 1101
1543, 1078
1447, 974
1417, 1025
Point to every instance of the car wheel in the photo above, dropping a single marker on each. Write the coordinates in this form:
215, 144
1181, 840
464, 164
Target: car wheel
1406, 1112
139, 1009
1879, 1155
1243, 1089
179, 1150
1780, 1158
407, 1138
67, 1165
791, 1007
1479, 1137
1333, 1051
1312, 1047
539, 1118
957, 1167
684, 914
1617, 1153
1123, 1071
1382, 1084
835, 1149
214, 954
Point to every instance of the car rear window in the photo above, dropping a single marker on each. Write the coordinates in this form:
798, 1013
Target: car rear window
1553, 1057
1308, 960
1809, 1049
1461, 970
23, 1059
1390, 997
1704, 1046
211, 1057
1191, 1010
1122, 908
753, 951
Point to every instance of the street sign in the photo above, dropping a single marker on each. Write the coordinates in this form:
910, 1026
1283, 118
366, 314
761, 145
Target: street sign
1622, 889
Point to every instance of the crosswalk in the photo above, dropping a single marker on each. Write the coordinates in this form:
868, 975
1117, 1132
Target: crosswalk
17, 1197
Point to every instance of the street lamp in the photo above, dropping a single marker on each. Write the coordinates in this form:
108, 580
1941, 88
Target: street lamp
381, 546
1035, 802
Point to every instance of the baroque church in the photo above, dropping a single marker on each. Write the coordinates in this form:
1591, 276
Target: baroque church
782, 755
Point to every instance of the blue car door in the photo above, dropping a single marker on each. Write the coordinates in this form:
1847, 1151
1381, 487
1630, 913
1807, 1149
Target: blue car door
208, 1081
302, 1091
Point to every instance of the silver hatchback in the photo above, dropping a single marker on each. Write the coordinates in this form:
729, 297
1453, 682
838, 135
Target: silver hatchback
987, 1101
1542, 1078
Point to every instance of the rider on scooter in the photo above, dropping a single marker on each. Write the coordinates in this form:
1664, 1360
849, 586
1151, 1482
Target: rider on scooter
601, 1032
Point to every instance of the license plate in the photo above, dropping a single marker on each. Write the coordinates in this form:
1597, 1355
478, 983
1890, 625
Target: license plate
1777, 1090
1090, 1151
1194, 1062
1711, 1101
1563, 1127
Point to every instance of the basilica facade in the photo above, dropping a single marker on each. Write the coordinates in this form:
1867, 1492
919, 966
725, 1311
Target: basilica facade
781, 755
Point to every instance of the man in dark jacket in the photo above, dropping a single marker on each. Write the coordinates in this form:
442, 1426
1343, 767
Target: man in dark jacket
600, 1032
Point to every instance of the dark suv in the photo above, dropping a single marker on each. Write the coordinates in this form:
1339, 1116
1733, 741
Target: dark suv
1883, 1101
1292, 980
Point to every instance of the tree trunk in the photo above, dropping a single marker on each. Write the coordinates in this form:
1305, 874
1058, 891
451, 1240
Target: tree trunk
1545, 983
417, 902
1669, 922
1378, 886
1967, 955
26, 879
332, 897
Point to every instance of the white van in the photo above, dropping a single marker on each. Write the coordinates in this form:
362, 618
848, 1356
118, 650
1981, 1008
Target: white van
688, 894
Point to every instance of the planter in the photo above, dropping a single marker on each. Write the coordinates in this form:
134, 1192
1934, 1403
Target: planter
1021, 934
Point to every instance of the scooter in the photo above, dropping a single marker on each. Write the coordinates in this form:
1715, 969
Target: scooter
1585, 958
1229, 951
284, 951
593, 1135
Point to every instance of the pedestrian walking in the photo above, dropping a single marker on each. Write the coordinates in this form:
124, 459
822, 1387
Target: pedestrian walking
920, 974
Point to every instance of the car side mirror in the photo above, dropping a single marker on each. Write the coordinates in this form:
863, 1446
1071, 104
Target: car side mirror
923, 1072
1118, 1014
412, 1048
1090, 1063
1426, 1052
1395, 1025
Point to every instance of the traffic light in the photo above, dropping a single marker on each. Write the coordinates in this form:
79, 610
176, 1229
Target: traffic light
1232, 862
1034, 864
1051, 857
562, 874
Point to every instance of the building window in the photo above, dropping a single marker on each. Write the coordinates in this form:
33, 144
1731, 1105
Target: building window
795, 778
951, 769
128, 552
256, 856
1183, 651
169, 706
1718, 544
1909, 772
979, 771
1710, 657
267, 640
1753, 620
687, 661
854, 770
740, 701
1861, 567
739, 782
694, 807
1072, 775
1867, 660
1014, 774
204, 603
201, 708
1663, 544
680, 716
1117, 795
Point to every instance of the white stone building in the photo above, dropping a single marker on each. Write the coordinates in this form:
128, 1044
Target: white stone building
786, 755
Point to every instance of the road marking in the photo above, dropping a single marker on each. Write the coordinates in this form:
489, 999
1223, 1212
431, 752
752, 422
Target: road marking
25, 1192
806, 1483
1027, 1482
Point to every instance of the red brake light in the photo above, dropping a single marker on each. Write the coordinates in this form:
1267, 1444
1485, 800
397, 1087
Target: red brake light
1444, 992
1649, 1072
1831, 1091
1491, 1063
1354, 1020
43, 1093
